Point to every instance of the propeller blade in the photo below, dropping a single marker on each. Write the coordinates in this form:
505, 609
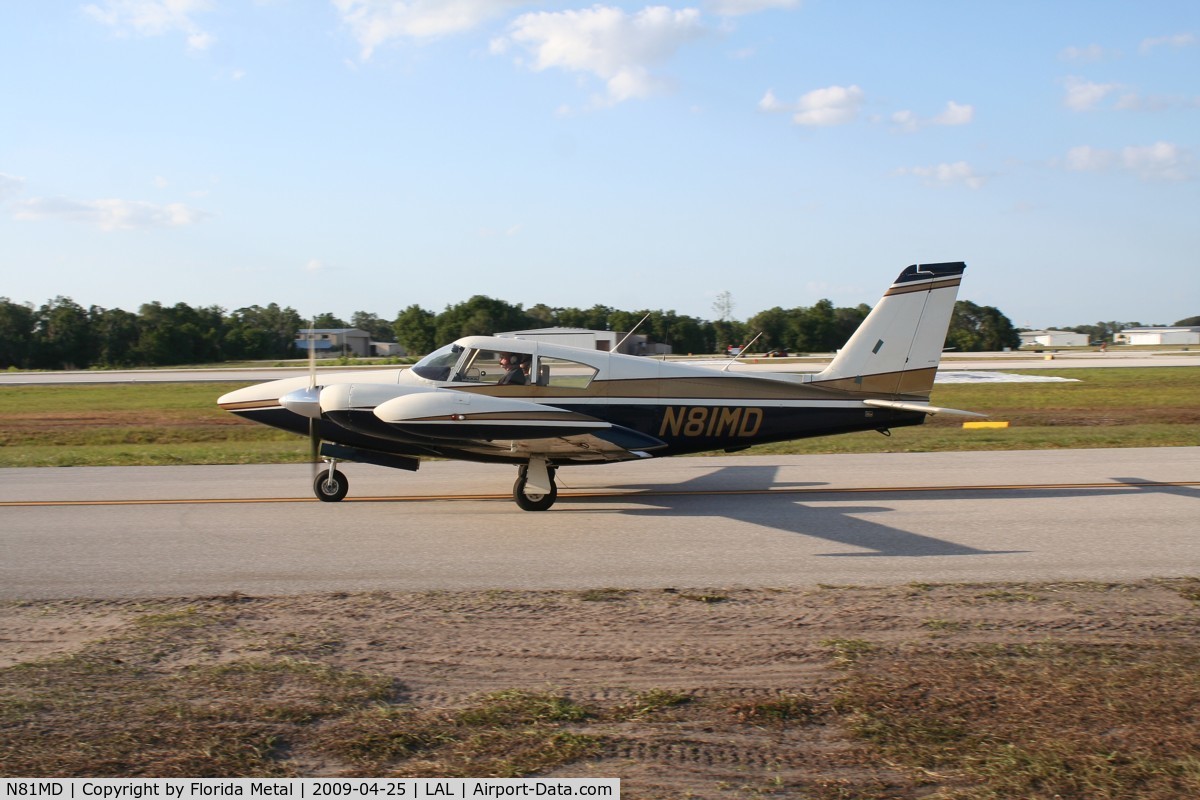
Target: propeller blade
314, 437
314, 447
312, 355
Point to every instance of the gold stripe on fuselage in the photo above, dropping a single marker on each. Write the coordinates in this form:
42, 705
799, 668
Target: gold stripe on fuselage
252, 405
736, 387
912, 383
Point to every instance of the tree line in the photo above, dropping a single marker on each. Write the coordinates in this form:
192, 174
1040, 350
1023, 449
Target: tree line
61, 334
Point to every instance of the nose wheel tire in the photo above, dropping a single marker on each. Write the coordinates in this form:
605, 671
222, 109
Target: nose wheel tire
533, 501
330, 488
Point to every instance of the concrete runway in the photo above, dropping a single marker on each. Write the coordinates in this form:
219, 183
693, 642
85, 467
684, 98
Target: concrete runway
757, 521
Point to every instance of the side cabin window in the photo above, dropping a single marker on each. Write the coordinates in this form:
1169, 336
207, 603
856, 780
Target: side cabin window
497, 367
564, 374
501, 368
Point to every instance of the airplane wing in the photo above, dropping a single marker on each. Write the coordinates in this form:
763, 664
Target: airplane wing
485, 424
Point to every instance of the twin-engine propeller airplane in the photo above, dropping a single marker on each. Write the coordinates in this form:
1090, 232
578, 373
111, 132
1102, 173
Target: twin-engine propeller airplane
541, 406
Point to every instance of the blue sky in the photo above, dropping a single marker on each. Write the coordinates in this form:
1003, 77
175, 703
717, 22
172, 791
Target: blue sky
369, 155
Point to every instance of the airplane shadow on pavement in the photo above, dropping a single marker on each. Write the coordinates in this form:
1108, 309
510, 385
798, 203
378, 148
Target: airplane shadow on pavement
741, 494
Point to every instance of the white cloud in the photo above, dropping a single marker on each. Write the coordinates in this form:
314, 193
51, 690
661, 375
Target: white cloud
497, 233
1089, 159
376, 22
1084, 95
1175, 42
770, 102
735, 8
154, 18
617, 47
959, 173
1161, 161
953, 114
109, 214
1132, 101
833, 105
1089, 54
10, 186
906, 121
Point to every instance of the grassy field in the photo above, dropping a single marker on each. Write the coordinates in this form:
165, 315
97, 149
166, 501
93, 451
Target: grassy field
145, 424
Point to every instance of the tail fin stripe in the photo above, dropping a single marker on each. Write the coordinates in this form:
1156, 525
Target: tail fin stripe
906, 288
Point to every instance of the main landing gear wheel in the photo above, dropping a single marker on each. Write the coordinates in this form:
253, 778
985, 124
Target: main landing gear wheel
330, 486
533, 500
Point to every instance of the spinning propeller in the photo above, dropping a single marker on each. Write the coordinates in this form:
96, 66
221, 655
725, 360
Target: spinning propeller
314, 436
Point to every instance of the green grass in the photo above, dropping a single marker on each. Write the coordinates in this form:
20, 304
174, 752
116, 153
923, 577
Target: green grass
180, 423
1116, 389
289, 451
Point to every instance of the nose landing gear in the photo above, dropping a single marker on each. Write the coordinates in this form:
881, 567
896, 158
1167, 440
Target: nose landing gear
330, 485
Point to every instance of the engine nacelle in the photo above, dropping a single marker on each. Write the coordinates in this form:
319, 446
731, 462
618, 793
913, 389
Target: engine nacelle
454, 414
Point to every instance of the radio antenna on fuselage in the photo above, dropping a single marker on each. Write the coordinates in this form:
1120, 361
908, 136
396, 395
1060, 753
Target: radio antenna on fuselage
631, 330
729, 363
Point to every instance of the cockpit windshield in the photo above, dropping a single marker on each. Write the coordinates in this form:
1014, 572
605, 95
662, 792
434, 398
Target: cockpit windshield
437, 365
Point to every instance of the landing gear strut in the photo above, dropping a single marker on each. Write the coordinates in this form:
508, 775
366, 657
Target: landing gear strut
535, 489
330, 485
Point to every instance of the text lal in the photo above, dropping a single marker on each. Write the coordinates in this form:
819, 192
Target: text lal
484, 789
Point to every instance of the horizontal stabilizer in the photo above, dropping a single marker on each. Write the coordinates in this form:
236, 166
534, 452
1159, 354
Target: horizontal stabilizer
923, 408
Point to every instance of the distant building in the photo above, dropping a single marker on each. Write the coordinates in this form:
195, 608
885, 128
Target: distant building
635, 345
1053, 339
1188, 335
332, 342
387, 349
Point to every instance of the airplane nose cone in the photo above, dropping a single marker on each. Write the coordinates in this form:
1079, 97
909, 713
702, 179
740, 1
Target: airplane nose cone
305, 402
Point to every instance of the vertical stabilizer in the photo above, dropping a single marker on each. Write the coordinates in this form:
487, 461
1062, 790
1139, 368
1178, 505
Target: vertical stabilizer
895, 351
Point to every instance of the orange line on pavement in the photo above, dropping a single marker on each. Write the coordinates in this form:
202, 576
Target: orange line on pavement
579, 495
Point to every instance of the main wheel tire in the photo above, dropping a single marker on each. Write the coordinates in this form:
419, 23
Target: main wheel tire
330, 488
533, 501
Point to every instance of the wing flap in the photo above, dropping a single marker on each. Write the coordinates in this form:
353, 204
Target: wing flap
615, 443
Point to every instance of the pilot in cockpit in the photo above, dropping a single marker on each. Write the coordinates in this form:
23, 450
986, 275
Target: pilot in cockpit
514, 375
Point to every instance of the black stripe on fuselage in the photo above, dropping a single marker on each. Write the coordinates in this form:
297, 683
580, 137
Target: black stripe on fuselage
683, 428
699, 428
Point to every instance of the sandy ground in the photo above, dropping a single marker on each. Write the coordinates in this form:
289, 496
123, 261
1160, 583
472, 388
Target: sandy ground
737, 645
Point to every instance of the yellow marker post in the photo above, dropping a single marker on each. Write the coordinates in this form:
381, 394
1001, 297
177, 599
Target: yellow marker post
976, 425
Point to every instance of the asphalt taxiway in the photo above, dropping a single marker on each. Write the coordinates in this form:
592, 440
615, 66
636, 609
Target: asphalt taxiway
783, 521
